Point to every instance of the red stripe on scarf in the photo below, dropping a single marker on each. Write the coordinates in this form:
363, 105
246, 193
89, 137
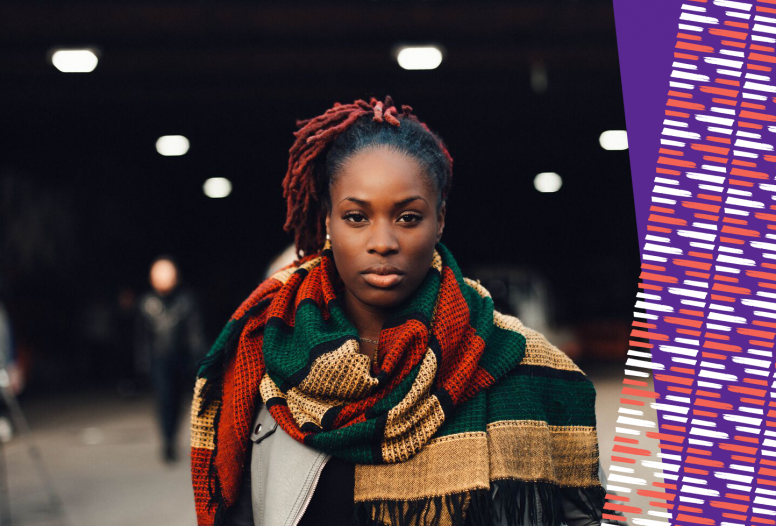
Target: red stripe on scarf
461, 346
241, 387
311, 289
452, 317
200, 462
459, 365
284, 418
266, 288
283, 305
327, 265
412, 336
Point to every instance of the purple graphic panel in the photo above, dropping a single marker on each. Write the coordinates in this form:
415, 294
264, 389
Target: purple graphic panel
699, 90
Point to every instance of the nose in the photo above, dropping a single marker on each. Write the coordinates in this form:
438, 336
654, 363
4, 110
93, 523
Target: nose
382, 239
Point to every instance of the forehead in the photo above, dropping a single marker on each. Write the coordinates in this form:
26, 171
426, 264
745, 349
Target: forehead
382, 172
163, 265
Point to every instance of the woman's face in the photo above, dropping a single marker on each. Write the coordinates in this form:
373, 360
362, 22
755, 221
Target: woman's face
383, 224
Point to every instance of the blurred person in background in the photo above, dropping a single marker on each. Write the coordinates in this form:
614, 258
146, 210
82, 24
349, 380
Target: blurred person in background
11, 379
371, 382
169, 339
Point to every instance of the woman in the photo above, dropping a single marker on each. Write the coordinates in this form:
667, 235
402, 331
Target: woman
370, 382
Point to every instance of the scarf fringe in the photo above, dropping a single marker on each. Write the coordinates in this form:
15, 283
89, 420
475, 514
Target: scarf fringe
422, 512
215, 494
511, 502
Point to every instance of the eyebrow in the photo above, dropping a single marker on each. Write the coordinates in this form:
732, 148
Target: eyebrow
403, 202
410, 199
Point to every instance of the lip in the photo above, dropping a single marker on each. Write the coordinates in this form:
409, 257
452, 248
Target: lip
383, 276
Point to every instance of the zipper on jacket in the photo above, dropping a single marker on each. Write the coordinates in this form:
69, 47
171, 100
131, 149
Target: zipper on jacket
309, 497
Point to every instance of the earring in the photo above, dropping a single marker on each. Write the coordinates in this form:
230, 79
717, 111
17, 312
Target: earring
328, 237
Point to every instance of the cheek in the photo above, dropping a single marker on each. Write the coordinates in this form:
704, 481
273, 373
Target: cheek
423, 240
420, 253
346, 247
346, 258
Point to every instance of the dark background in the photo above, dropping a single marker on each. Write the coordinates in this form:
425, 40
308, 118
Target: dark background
86, 202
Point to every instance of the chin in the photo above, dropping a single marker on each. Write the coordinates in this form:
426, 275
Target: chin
383, 299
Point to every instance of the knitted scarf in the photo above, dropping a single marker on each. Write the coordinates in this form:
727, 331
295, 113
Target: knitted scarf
461, 402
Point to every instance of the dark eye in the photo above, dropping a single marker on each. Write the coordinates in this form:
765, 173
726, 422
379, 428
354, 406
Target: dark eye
354, 217
410, 218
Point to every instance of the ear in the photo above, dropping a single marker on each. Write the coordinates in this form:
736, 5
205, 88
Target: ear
441, 221
328, 222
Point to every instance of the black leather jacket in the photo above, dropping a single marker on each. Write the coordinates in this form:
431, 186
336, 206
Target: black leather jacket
168, 327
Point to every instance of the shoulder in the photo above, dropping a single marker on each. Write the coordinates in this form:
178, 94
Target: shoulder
268, 288
538, 349
545, 384
189, 299
149, 304
540, 352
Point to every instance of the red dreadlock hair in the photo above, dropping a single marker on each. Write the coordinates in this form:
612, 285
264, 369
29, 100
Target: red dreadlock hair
304, 213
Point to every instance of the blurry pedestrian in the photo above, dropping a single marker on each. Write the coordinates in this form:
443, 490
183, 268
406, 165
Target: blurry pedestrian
9, 373
169, 342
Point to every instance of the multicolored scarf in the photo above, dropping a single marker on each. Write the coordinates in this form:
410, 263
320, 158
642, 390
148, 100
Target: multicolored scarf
460, 400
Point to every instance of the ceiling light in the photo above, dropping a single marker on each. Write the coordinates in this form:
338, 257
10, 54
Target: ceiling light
614, 140
421, 57
217, 187
548, 182
74, 60
172, 145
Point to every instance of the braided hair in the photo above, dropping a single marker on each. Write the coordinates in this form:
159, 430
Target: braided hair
324, 144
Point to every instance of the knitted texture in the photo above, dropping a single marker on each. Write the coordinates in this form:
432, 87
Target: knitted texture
460, 399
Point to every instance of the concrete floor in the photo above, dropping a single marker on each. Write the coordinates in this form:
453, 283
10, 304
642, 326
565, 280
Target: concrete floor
102, 453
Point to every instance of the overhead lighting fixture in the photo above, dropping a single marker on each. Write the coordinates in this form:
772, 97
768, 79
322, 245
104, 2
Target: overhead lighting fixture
172, 145
419, 57
217, 187
75, 60
547, 182
614, 140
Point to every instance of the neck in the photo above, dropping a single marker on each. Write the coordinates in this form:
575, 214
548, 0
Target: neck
367, 319
164, 292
